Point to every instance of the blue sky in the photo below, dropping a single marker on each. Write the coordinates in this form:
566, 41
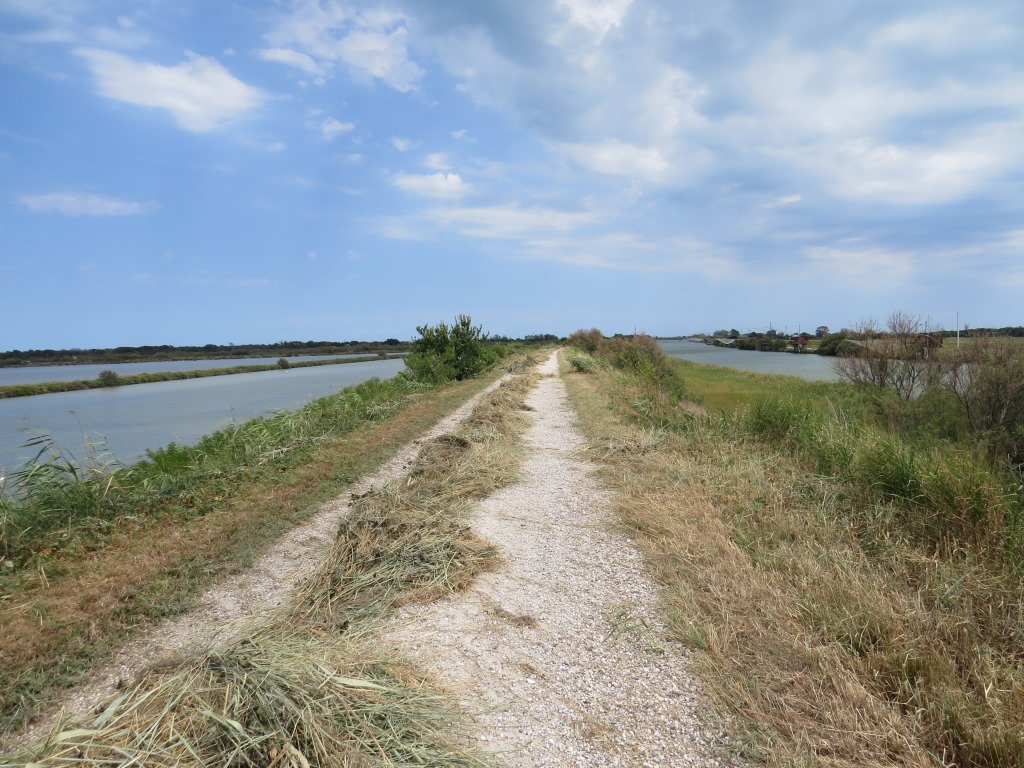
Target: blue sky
186, 172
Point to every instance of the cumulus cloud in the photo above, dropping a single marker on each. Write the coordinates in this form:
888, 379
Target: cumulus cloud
447, 186
899, 105
332, 127
79, 204
317, 36
200, 93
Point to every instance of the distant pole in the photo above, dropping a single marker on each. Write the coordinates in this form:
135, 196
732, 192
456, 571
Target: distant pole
958, 330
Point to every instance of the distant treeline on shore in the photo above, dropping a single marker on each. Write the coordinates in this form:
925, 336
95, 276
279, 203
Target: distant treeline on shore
162, 352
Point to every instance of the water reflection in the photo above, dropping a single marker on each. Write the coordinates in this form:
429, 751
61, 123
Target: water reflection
804, 365
126, 421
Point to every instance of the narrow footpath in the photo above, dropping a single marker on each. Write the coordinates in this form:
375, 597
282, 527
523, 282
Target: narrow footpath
559, 653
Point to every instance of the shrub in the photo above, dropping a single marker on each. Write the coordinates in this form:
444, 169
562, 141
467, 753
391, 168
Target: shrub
109, 378
582, 363
444, 352
589, 341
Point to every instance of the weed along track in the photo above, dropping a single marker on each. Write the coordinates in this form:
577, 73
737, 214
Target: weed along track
467, 605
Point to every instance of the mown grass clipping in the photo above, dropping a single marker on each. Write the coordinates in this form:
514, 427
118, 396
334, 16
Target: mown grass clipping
309, 687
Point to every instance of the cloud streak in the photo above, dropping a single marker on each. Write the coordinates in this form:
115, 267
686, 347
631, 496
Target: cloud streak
79, 204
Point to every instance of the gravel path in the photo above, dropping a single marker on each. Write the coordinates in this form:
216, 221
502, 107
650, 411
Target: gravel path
559, 653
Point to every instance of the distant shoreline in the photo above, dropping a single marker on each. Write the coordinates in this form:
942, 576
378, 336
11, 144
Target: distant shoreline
115, 380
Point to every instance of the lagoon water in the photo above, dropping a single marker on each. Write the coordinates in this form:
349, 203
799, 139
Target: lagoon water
35, 374
804, 365
125, 422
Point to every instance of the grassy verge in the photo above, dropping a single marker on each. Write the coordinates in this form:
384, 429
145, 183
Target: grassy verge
309, 689
114, 380
855, 597
173, 524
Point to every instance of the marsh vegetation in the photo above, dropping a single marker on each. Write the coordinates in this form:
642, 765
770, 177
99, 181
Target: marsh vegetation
847, 560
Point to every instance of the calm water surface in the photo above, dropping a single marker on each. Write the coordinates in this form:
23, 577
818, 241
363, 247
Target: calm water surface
806, 366
128, 421
41, 373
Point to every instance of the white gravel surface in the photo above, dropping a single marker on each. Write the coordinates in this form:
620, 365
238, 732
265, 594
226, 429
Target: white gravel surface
559, 653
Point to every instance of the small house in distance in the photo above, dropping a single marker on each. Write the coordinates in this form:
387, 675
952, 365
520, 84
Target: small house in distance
799, 342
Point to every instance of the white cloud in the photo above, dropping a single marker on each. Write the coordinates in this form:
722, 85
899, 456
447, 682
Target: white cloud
617, 158
332, 127
78, 204
873, 263
598, 16
945, 31
200, 93
447, 186
401, 144
317, 36
437, 161
510, 221
781, 202
915, 175
293, 59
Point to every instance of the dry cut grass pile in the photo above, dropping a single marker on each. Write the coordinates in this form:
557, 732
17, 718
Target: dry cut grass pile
831, 639
309, 688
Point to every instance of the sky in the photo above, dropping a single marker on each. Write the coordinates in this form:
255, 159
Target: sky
191, 172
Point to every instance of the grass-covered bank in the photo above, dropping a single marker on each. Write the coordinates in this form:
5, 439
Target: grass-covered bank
309, 687
112, 379
91, 556
853, 584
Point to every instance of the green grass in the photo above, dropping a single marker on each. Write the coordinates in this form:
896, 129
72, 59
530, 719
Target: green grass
58, 505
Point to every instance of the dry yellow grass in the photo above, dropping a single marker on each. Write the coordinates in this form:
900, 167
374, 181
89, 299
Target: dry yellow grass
823, 652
